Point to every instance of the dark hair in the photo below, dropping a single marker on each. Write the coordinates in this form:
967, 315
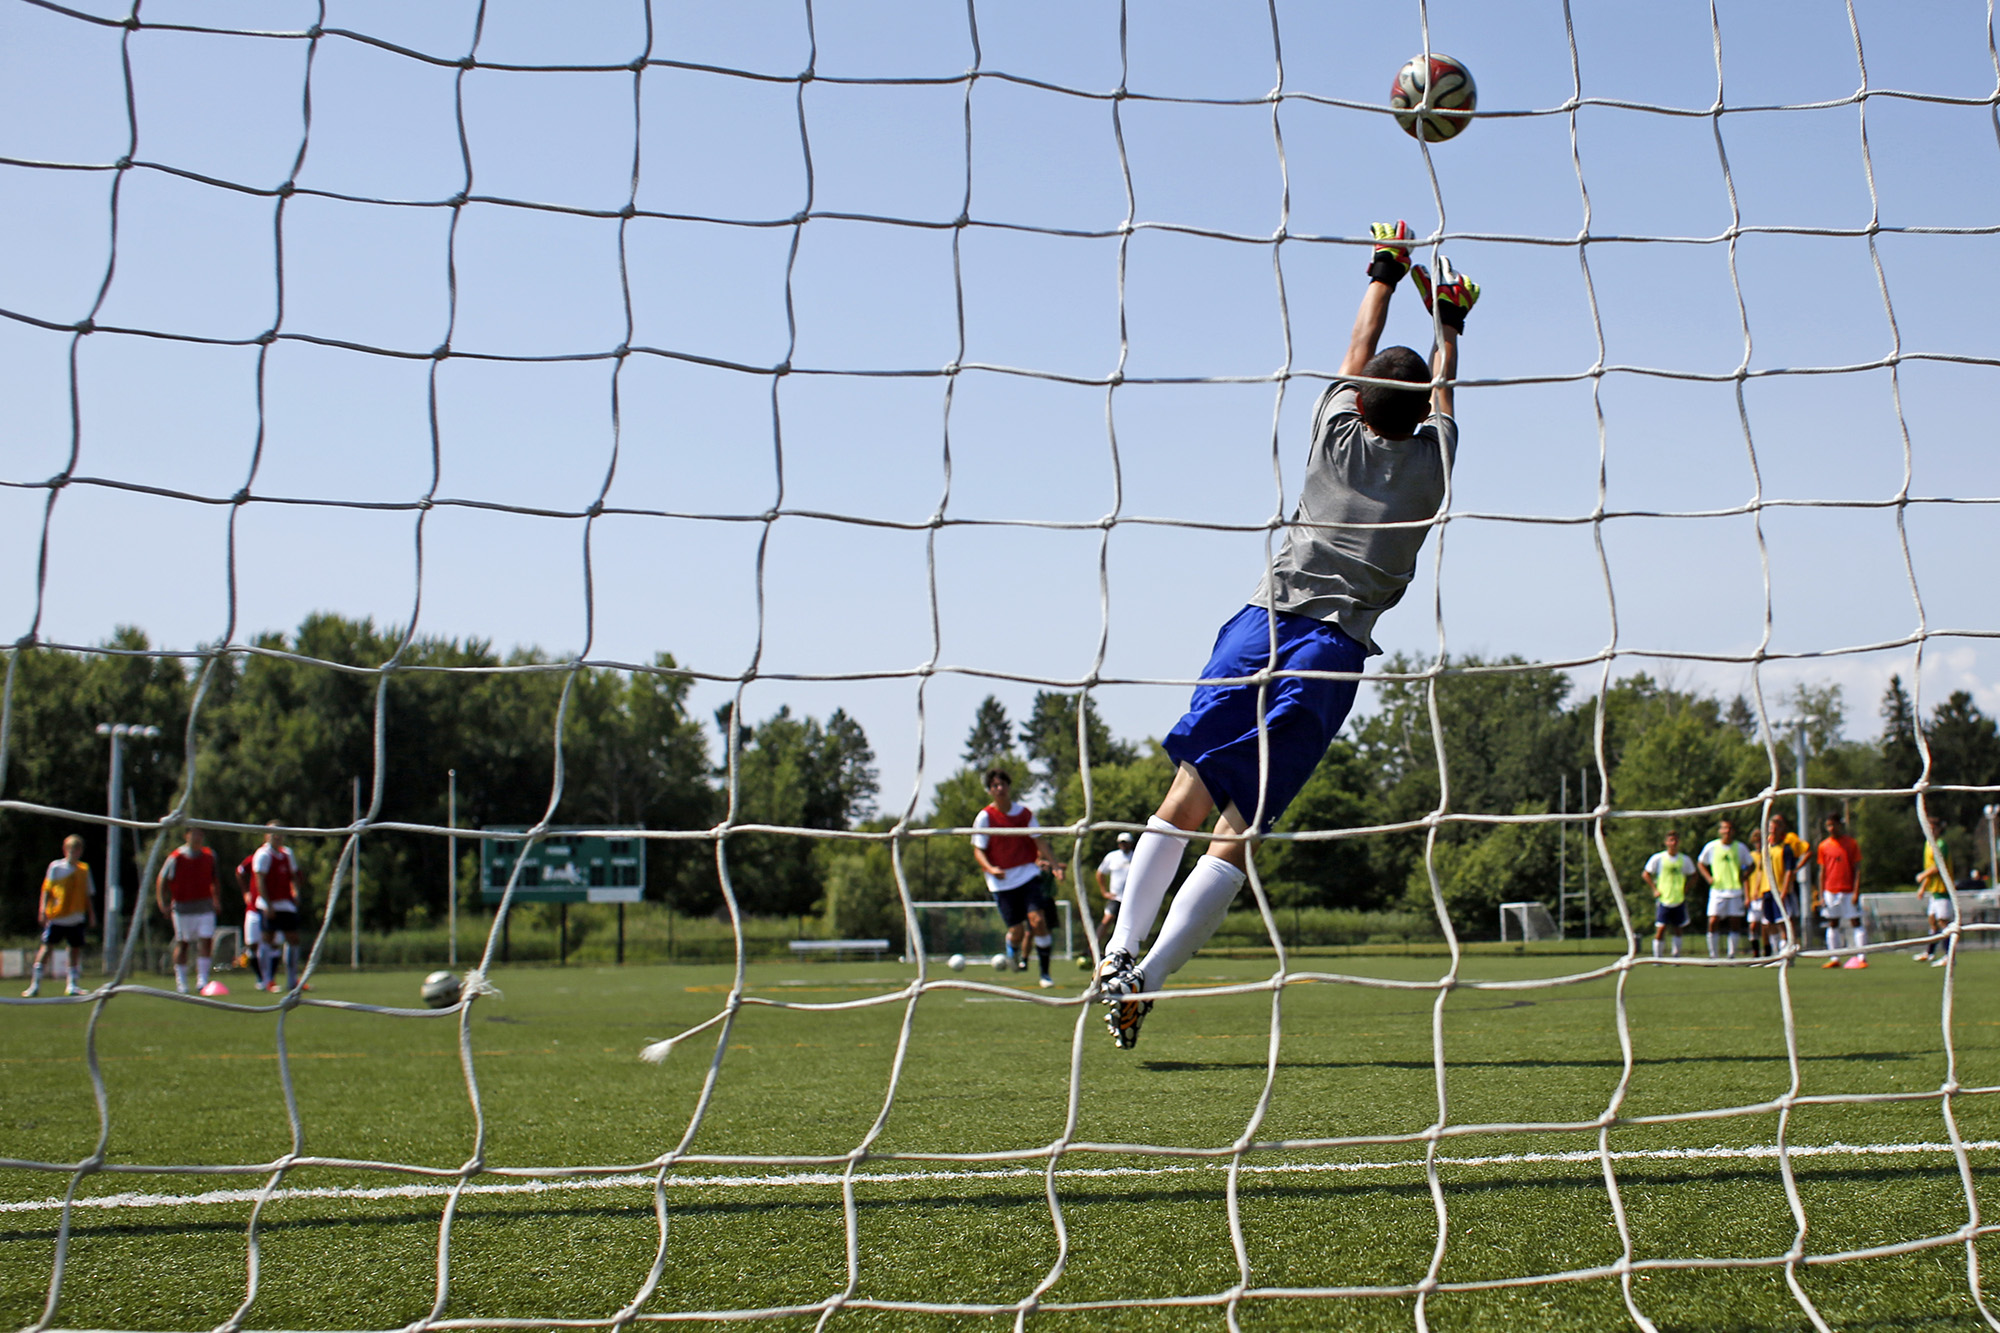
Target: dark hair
1000, 773
1394, 414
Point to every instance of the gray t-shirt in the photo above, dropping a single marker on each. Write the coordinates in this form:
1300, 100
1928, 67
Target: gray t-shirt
1337, 562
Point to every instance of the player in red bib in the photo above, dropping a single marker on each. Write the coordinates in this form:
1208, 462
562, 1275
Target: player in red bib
1013, 867
185, 891
278, 886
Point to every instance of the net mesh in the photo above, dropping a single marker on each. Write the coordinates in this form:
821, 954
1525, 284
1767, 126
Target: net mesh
863, 1162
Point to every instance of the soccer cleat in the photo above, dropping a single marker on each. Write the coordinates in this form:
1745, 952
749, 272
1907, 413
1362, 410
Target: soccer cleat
1923, 957
72, 989
1941, 962
1831, 962
1021, 963
1118, 977
1046, 982
1859, 960
34, 989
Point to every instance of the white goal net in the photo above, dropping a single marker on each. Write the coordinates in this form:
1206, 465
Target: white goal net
872, 357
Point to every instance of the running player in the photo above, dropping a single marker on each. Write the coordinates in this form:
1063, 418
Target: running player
1839, 858
1667, 873
63, 911
253, 920
278, 888
1377, 472
1013, 868
186, 890
1723, 863
1935, 884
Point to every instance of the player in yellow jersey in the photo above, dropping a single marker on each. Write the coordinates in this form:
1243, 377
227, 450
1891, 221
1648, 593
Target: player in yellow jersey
1935, 884
1668, 873
64, 911
1724, 863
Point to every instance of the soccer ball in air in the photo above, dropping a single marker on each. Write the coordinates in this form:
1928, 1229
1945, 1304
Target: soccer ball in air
441, 990
956, 962
1425, 98
999, 962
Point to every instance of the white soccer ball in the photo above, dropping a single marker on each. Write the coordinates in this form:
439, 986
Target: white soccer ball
999, 962
956, 962
441, 990
1422, 97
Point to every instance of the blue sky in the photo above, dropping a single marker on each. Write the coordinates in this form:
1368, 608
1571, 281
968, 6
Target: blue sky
859, 430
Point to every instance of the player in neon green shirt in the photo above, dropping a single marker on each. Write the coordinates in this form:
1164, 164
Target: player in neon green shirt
1723, 864
1668, 873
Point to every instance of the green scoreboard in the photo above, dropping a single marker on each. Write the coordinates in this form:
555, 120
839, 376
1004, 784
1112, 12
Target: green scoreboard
565, 865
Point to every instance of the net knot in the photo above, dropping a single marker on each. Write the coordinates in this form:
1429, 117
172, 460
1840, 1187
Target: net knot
241, 497
86, 326
266, 338
441, 351
467, 62
315, 32
458, 200
476, 982
629, 211
123, 163
638, 65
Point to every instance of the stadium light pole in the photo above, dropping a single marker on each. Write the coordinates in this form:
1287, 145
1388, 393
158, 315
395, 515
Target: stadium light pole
451, 865
114, 897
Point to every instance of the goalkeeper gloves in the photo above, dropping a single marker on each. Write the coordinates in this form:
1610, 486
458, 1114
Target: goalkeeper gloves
1455, 294
1391, 260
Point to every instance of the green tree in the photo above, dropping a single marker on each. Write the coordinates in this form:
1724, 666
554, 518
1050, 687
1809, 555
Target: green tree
991, 739
795, 773
1050, 739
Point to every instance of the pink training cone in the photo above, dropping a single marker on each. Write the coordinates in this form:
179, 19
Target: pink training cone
215, 988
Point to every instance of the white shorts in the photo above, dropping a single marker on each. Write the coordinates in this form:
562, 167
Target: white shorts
1725, 904
1839, 907
189, 926
253, 929
1937, 906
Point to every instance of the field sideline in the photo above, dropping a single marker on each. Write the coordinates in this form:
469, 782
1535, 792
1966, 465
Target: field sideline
561, 1086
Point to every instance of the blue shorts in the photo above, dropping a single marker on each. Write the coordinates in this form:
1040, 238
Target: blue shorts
1016, 903
1301, 717
1675, 916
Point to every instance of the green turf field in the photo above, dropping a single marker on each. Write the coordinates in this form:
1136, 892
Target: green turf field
560, 1085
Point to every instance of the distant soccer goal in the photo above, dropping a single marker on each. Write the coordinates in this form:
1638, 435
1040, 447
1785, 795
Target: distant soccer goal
1531, 921
975, 929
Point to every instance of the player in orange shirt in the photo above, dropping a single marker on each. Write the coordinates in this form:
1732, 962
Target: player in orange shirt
1839, 858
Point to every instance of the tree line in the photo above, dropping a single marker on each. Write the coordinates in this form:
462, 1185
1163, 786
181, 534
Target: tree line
281, 735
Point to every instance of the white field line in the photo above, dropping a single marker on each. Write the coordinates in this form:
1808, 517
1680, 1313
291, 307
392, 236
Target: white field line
796, 1178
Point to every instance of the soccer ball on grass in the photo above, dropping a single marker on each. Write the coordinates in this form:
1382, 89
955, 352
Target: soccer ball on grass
999, 962
1432, 101
956, 962
441, 990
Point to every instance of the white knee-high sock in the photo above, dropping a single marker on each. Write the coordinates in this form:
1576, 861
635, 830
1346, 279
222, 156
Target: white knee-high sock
1833, 934
1711, 944
1154, 861
1196, 914
1860, 933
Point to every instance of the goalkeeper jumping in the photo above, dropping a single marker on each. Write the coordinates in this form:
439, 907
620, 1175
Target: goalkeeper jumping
1375, 478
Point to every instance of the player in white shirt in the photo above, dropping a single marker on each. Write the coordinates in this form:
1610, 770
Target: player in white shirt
1111, 879
1724, 863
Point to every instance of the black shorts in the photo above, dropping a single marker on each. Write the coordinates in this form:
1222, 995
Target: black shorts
72, 936
1015, 904
1111, 906
281, 919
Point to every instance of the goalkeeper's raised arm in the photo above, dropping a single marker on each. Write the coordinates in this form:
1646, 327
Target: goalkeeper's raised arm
1383, 439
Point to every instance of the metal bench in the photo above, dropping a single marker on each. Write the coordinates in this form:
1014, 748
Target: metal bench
872, 948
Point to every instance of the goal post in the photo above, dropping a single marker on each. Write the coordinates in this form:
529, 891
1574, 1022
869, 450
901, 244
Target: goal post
975, 930
1531, 922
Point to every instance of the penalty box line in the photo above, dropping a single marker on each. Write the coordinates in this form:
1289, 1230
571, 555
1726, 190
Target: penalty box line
797, 1178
